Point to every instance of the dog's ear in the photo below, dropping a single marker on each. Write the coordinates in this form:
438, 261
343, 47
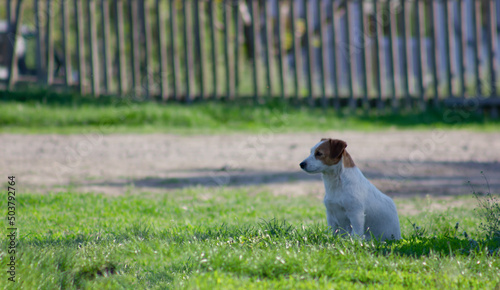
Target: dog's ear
323, 139
336, 147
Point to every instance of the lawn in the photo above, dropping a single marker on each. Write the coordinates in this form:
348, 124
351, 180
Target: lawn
49, 112
242, 238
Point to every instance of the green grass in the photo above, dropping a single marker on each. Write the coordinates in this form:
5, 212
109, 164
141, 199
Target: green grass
48, 112
235, 238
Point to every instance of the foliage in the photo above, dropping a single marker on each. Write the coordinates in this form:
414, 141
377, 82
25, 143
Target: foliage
489, 210
49, 112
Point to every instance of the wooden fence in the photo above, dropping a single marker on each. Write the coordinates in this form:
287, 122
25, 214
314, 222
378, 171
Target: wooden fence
330, 52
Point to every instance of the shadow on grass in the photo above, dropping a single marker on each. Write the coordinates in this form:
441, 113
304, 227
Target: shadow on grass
438, 178
275, 233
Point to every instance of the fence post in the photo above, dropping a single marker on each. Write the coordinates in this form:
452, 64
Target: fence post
174, 60
307, 52
146, 37
162, 50
106, 45
94, 62
417, 56
277, 34
121, 64
330, 15
40, 63
80, 46
457, 27
134, 45
227, 64
198, 35
401, 44
14, 30
347, 55
488, 44
430, 45
376, 63
265, 37
187, 54
318, 39
49, 40
68, 81
213, 45
294, 51
253, 13
362, 58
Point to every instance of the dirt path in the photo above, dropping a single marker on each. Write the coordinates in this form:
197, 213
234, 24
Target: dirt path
398, 162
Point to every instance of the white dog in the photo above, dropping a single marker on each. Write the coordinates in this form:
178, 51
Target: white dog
354, 206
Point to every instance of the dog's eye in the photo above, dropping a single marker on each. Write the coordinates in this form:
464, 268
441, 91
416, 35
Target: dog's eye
318, 154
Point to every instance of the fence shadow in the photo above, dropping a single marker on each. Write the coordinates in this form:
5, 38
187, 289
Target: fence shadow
435, 178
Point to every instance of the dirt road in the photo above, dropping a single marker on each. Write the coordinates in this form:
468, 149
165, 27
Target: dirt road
400, 163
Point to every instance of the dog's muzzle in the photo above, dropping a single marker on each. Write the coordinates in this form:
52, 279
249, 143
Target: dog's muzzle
303, 165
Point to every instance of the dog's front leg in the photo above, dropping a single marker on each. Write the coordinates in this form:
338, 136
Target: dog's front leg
357, 220
332, 221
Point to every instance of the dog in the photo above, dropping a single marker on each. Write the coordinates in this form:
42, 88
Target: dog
354, 206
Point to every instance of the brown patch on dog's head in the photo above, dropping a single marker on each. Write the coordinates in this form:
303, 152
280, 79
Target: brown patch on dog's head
330, 152
347, 161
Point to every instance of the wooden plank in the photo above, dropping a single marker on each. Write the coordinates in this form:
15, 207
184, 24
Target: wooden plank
431, 55
378, 83
389, 61
162, 50
307, 45
9, 14
457, 23
352, 101
198, 43
281, 73
475, 44
120, 48
236, 72
488, 44
403, 59
94, 59
68, 80
497, 32
146, 32
108, 77
253, 12
320, 15
187, 55
174, 59
134, 45
364, 81
49, 40
295, 51
227, 64
447, 49
266, 49
40, 55
418, 56
213, 46
333, 55
14, 32
80, 47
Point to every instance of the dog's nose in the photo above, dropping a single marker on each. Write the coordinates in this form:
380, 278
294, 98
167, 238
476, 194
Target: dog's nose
302, 165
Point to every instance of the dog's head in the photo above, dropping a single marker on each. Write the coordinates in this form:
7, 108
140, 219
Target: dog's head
325, 156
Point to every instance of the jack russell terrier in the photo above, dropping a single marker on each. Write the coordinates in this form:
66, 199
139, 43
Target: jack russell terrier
354, 206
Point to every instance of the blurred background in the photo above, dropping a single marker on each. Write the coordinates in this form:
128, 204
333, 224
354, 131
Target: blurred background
332, 53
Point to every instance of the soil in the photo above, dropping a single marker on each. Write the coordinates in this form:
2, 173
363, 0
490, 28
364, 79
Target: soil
399, 163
